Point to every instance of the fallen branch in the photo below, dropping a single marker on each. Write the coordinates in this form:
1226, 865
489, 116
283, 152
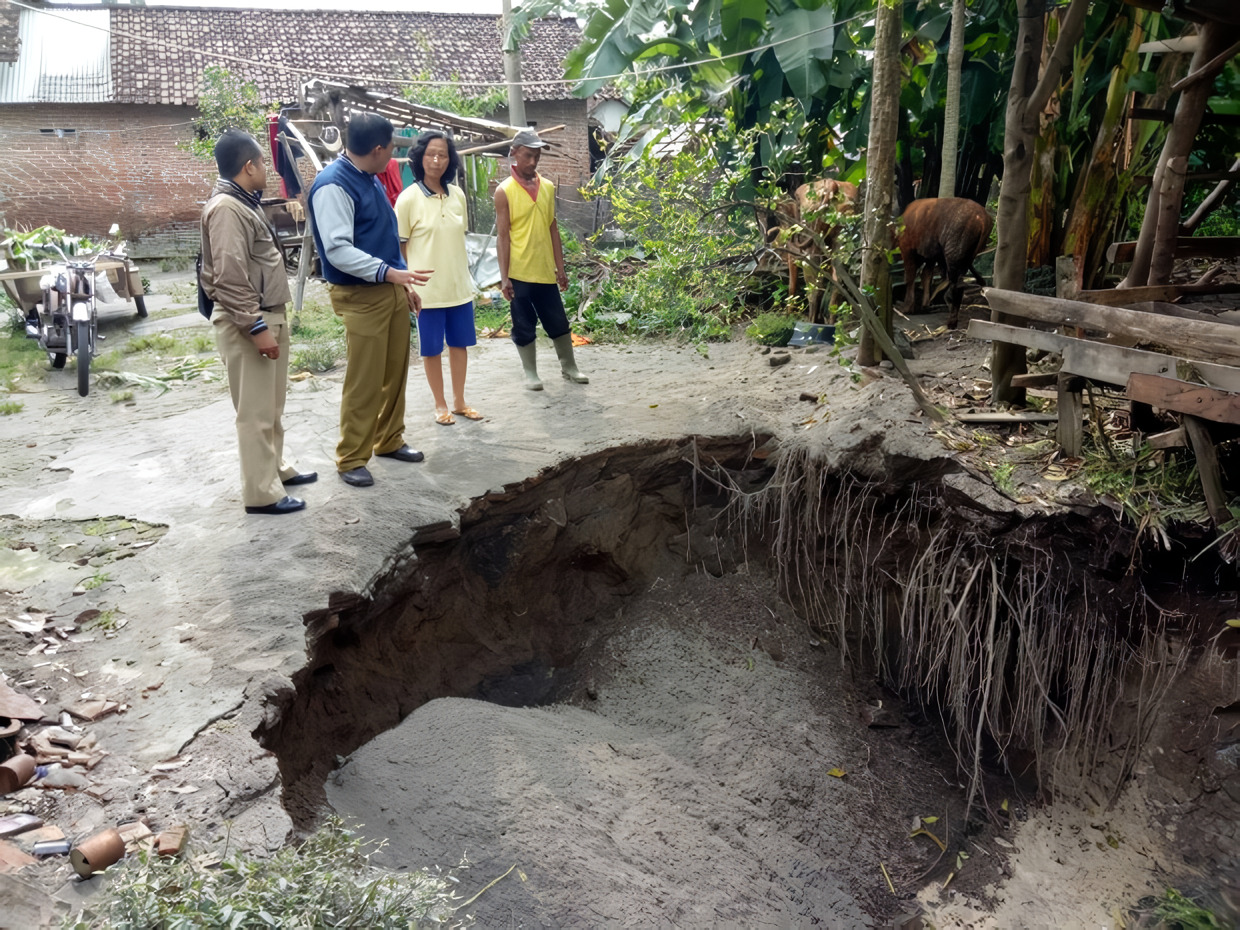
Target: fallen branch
871, 321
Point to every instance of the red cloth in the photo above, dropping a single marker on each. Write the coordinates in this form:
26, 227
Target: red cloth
392, 182
273, 130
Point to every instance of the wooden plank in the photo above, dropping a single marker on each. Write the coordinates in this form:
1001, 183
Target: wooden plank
1044, 379
1185, 247
1196, 338
1069, 433
1007, 416
1123, 296
1199, 438
39, 272
1185, 313
1109, 364
1184, 397
1171, 439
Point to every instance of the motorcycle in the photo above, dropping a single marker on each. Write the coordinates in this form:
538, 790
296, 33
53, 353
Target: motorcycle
65, 320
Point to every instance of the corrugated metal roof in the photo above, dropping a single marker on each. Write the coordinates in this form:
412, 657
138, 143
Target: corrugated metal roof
64, 59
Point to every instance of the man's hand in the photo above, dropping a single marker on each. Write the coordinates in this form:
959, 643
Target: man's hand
415, 301
505, 288
266, 344
405, 278
562, 280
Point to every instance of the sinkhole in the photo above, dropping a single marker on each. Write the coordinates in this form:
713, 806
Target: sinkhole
595, 687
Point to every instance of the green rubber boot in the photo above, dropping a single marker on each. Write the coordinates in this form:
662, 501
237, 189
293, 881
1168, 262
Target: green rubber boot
568, 366
529, 361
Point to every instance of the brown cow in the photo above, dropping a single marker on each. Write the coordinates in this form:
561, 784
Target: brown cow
945, 233
806, 217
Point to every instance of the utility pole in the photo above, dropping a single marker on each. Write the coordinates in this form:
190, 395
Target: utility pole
512, 74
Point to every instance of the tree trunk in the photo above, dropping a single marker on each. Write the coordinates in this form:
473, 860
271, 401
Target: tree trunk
951, 106
1167, 190
512, 74
1102, 185
1215, 39
1026, 98
880, 169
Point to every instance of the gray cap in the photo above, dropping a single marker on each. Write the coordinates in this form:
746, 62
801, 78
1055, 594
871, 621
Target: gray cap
528, 138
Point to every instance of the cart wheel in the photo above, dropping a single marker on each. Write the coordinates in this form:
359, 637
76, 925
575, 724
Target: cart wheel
81, 338
58, 359
140, 302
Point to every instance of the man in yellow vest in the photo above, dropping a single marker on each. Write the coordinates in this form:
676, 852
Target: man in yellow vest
531, 259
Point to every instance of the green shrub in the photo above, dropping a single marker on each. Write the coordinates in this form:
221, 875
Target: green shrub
317, 356
327, 881
771, 329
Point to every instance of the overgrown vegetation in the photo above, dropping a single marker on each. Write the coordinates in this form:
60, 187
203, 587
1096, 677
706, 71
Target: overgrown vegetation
327, 881
450, 95
225, 101
24, 249
1176, 911
317, 336
771, 329
1154, 490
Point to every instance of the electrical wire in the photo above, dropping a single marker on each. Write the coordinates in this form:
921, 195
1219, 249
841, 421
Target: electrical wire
355, 79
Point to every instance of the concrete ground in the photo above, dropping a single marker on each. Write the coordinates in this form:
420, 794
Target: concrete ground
204, 603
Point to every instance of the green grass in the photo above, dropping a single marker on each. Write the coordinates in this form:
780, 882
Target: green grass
327, 881
10, 407
121, 397
19, 356
158, 343
97, 580
1002, 475
771, 329
492, 316
1153, 489
318, 338
318, 356
1178, 912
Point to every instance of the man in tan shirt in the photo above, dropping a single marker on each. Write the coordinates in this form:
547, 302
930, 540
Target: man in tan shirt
243, 273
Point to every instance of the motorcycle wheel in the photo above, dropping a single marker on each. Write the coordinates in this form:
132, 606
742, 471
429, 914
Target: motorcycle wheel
140, 303
57, 359
81, 340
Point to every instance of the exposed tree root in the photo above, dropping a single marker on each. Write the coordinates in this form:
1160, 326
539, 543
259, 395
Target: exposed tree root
1026, 649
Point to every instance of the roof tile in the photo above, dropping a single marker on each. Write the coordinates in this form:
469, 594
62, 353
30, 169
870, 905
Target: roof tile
279, 50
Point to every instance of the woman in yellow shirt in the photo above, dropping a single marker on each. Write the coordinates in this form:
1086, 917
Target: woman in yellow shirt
432, 220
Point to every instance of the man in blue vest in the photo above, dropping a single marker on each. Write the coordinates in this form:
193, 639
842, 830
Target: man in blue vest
371, 291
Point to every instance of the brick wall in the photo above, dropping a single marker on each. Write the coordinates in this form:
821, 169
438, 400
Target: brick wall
121, 164
567, 164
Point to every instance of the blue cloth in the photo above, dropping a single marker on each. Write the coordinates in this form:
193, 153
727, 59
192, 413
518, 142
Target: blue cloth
454, 323
374, 220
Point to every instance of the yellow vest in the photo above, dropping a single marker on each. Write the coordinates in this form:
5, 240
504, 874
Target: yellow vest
530, 257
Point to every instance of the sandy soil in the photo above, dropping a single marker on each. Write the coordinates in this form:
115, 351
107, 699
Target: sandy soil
718, 772
697, 744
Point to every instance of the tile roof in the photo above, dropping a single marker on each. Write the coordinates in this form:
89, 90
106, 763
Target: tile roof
9, 42
158, 55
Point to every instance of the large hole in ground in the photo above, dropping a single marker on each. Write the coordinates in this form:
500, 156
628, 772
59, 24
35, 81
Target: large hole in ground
594, 678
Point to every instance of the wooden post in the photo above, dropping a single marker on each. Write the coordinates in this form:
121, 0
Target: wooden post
1071, 412
1199, 438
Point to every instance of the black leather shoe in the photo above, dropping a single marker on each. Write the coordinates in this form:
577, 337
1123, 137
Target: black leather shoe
306, 477
283, 505
403, 454
358, 477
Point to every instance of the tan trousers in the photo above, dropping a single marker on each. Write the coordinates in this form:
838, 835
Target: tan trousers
258, 387
372, 408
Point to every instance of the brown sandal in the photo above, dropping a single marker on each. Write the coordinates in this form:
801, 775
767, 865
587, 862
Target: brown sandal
468, 413
444, 418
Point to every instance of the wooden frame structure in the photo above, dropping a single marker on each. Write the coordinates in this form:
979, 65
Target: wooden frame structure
1196, 374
